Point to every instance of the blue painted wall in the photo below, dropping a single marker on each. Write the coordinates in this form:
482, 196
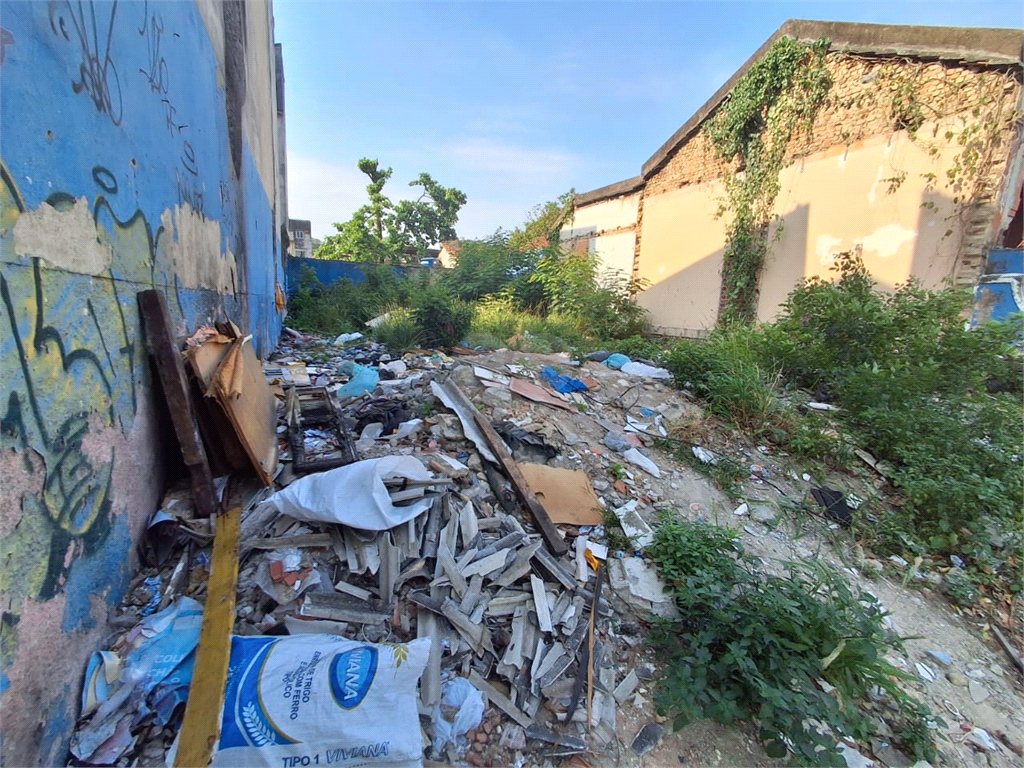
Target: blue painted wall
1000, 291
119, 173
329, 271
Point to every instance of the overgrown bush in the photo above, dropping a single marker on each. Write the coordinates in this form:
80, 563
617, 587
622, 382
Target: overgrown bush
399, 332
444, 320
726, 371
914, 386
751, 645
486, 267
939, 402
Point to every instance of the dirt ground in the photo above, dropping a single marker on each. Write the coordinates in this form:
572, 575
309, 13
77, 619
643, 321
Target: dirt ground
979, 688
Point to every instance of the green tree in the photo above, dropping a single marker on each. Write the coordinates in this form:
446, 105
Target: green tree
386, 232
543, 223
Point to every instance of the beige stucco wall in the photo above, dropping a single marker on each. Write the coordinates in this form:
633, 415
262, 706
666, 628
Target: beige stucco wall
830, 202
840, 200
603, 216
681, 256
615, 252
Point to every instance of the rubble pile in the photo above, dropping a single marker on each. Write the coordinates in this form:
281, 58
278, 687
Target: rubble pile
393, 518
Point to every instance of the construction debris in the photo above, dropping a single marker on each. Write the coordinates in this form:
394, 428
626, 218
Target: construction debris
389, 531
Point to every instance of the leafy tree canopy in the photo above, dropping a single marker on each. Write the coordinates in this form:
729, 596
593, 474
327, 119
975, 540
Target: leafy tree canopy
384, 232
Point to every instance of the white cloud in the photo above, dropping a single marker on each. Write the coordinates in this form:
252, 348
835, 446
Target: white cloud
487, 156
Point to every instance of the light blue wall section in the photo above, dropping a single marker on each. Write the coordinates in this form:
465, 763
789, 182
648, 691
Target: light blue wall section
123, 106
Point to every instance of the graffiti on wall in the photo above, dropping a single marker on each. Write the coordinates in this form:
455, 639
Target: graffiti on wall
92, 362
116, 176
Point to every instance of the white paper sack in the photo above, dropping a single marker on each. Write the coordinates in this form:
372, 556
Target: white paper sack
354, 495
321, 700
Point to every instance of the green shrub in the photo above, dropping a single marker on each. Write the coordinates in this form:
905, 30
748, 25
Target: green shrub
914, 386
754, 645
483, 340
399, 333
725, 371
634, 347
444, 320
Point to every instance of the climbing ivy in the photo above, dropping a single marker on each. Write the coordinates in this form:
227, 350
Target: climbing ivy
778, 98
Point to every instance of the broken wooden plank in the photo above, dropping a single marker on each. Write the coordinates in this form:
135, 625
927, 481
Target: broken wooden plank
540, 601
156, 325
500, 700
200, 729
540, 516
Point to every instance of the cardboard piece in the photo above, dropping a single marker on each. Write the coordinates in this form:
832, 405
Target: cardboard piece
537, 394
242, 391
566, 494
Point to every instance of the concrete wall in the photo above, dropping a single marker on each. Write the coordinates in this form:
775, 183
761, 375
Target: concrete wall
681, 257
837, 194
606, 228
138, 152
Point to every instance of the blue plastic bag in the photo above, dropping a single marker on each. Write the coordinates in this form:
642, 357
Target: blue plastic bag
616, 361
561, 382
363, 380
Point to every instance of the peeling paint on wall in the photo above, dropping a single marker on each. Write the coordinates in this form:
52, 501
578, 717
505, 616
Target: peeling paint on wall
886, 242
117, 174
63, 238
188, 232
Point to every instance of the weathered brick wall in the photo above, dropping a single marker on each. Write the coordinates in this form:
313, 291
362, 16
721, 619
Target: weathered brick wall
870, 97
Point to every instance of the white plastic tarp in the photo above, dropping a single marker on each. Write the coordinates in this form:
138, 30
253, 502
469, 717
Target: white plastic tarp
354, 495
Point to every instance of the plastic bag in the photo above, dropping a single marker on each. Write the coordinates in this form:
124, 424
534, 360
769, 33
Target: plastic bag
616, 361
457, 692
647, 371
561, 382
321, 700
353, 495
363, 380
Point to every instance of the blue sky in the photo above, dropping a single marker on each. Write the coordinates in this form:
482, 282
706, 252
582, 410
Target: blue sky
515, 103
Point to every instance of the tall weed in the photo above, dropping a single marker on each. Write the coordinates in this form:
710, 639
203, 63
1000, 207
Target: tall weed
754, 645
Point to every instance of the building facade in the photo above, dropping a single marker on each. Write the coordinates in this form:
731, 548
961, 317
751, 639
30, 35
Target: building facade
141, 149
300, 235
927, 201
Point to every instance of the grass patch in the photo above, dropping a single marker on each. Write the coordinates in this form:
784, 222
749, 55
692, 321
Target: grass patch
751, 645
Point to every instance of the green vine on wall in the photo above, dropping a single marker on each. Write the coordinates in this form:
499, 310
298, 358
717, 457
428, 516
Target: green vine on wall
778, 98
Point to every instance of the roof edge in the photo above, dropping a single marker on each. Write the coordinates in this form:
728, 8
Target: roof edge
982, 45
609, 191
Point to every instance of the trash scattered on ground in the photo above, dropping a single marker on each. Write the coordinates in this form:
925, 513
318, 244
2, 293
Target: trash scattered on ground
436, 523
